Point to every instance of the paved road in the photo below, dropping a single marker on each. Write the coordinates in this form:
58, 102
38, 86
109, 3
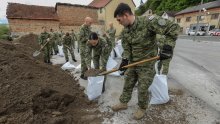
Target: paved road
196, 65
201, 38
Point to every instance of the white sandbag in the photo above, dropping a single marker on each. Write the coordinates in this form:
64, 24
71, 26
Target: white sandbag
112, 54
118, 53
159, 88
92, 64
94, 88
78, 68
110, 65
68, 66
60, 49
119, 49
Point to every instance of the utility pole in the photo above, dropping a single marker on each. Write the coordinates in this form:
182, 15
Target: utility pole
198, 17
218, 25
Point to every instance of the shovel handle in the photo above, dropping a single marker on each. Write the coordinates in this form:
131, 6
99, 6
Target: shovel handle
131, 65
141, 62
44, 45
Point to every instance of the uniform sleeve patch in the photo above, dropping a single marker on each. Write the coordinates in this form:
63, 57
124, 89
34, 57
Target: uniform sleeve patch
151, 17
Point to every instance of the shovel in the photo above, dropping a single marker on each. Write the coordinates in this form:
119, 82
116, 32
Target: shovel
96, 72
36, 53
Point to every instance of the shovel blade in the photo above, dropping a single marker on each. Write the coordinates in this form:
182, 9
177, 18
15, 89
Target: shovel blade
36, 53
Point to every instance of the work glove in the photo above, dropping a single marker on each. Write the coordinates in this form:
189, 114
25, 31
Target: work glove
166, 52
124, 62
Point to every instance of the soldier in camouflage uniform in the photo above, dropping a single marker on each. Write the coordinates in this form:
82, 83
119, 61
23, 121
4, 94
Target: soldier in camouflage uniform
100, 49
139, 42
83, 38
54, 43
68, 45
74, 37
43, 38
111, 32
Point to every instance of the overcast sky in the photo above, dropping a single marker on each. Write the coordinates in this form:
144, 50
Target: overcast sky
4, 3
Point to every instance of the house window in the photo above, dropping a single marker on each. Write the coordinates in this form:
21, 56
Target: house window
178, 20
200, 18
188, 19
215, 16
100, 10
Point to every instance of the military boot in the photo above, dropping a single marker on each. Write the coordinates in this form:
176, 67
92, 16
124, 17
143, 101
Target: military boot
139, 114
120, 106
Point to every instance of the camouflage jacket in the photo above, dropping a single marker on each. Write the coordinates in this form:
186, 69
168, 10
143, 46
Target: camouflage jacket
53, 36
68, 41
74, 36
139, 40
84, 33
42, 39
101, 49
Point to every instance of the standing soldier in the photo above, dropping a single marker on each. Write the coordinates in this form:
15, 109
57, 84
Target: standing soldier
111, 32
73, 35
139, 42
68, 45
83, 38
99, 47
54, 43
44, 38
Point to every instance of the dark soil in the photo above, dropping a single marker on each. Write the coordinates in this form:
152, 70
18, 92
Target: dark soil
92, 72
33, 92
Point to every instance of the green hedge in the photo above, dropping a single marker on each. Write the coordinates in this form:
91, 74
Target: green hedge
4, 31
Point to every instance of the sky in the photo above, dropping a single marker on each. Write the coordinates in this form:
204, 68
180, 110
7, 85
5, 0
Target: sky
4, 3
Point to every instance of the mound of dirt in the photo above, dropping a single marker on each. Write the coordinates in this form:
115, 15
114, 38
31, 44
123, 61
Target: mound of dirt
37, 93
30, 43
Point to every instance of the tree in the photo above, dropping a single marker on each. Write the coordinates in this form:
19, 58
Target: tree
159, 6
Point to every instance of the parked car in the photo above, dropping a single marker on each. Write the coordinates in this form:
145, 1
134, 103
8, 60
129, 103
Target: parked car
217, 33
214, 32
199, 33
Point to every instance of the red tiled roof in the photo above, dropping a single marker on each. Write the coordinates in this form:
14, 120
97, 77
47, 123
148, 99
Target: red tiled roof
99, 3
23, 11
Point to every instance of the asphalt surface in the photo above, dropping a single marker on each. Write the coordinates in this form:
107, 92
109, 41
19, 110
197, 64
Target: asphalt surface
195, 65
188, 72
201, 38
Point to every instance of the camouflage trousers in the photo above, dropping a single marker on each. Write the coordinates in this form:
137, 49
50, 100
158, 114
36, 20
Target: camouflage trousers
143, 75
54, 47
83, 62
65, 51
47, 51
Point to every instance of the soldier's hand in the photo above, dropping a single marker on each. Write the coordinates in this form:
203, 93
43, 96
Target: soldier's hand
88, 67
124, 62
102, 69
48, 39
166, 52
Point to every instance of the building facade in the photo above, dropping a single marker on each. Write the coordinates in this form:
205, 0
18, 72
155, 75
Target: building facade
29, 18
208, 16
106, 10
169, 15
25, 19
